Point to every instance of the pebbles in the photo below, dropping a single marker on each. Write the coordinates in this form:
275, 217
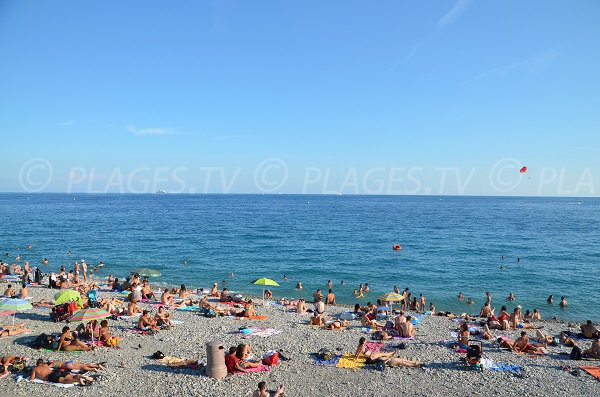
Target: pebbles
130, 371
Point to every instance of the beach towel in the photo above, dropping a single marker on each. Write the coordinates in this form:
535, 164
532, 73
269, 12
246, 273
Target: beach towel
594, 371
179, 362
348, 360
62, 351
188, 308
136, 330
319, 361
374, 346
262, 332
252, 318
402, 338
44, 382
177, 322
128, 317
416, 320
260, 368
492, 366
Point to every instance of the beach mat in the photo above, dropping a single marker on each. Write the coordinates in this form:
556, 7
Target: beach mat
252, 318
374, 346
261, 368
348, 360
262, 332
319, 361
594, 371
188, 308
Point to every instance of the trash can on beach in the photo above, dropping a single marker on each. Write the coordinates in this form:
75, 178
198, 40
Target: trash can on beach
215, 360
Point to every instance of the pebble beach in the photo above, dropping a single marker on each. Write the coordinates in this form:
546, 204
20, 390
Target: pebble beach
131, 370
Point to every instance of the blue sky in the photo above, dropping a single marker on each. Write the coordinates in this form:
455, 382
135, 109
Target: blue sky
301, 97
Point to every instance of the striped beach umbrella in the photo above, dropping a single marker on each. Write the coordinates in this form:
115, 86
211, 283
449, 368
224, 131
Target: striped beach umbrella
14, 305
91, 313
392, 297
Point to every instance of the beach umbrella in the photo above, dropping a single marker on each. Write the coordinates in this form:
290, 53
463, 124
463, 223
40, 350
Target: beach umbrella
264, 282
14, 305
89, 314
65, 296
146, 272
392, 297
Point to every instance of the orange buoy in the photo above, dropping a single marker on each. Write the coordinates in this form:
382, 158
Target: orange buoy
396, 247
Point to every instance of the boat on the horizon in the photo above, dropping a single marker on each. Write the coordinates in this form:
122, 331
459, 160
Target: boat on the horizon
160, 191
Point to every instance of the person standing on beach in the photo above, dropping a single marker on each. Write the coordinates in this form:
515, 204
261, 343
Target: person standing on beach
84, 270
488, 297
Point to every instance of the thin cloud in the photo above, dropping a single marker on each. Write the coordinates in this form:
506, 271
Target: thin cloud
457, 9
151, 131
530, 65
67, 123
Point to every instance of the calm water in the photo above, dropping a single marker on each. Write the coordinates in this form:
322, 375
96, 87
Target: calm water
450, 244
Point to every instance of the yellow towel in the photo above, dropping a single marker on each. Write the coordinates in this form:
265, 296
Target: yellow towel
349, 361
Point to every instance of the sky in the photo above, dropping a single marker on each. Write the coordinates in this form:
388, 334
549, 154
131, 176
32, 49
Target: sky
333, 97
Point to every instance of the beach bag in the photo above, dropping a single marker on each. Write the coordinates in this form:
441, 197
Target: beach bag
43, 341
112, 341
271, 358
575, 353
325, 354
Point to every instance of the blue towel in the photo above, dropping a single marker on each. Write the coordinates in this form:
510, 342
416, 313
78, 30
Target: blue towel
331, 361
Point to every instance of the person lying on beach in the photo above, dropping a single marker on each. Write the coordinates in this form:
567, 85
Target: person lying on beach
11, 330
71, 365
542, 338
336, 325
163, 318
522, 345
371, 356
588, 330
105, 335
43, 371
594, 350
566, 340
43, 303
146, 323
301, 306
407, 330
68, 342
10, 361
263, 392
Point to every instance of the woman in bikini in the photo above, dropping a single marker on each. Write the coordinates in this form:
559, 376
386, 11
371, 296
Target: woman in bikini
371, 356
11, 330
68, 342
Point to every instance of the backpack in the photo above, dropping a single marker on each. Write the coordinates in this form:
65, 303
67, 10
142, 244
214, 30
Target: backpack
575, 353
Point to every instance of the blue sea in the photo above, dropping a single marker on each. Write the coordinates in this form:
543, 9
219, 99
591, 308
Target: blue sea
450, 244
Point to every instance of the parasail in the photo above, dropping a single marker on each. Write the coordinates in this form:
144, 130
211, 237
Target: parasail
523, 170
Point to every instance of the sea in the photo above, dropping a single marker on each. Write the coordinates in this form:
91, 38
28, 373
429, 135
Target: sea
531, 246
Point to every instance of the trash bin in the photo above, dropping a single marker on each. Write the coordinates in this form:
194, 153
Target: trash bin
215, 360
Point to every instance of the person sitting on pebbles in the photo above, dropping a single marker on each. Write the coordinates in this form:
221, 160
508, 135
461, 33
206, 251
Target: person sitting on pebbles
371, 356
146, 323
263, 392
68, 342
